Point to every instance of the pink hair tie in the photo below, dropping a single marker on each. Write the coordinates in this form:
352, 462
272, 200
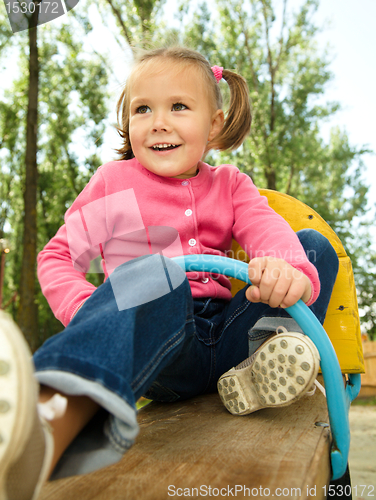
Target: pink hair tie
217, 70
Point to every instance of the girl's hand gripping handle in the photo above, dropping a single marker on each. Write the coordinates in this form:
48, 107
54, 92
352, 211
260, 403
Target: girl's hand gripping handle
276, 283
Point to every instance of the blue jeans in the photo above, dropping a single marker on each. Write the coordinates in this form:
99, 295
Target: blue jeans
166, 349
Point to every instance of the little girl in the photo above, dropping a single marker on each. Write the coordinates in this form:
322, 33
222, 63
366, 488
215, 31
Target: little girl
151, 329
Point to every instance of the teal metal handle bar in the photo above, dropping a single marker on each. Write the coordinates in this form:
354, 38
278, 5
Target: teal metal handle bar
338, 398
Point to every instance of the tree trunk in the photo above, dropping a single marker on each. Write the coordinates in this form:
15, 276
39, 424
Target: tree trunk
271, 181
28, 311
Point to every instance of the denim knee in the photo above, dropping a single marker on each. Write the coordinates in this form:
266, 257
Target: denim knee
323, 256
316, 246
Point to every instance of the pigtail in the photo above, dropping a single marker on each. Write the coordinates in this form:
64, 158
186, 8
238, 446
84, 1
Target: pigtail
239, 117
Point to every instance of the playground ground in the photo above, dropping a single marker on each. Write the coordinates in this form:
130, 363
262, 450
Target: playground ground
362, 458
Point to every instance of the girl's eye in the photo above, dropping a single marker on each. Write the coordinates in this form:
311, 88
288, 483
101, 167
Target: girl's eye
143, 109
179, 106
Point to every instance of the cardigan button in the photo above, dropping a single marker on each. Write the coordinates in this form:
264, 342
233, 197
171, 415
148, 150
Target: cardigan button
192, 242
188, 212
185, 183
205, 280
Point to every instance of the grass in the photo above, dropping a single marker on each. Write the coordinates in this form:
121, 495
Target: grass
369, 401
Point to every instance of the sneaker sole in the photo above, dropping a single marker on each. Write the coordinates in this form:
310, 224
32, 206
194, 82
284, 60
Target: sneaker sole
283, 370
18, 394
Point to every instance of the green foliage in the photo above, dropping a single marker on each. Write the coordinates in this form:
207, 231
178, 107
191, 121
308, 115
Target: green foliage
72, 107
5, 30
140, 22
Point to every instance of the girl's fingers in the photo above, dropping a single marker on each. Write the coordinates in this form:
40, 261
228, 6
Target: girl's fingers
253, 294
292, 296
276, 283
264, 273
300, 288
271, 276
280, 290
255, 269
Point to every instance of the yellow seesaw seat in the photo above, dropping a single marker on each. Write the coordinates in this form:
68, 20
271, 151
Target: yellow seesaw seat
342, 319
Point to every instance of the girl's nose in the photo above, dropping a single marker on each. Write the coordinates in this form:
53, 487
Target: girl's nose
161, 123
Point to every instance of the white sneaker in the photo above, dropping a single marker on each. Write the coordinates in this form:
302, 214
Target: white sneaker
279, 373
26, 443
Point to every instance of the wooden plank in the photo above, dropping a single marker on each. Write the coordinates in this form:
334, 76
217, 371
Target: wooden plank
369, 378
198, 444
367, 391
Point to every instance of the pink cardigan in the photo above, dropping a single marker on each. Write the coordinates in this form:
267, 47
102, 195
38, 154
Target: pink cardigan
126, 211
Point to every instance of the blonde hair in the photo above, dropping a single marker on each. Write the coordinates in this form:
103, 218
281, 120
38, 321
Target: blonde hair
237, 123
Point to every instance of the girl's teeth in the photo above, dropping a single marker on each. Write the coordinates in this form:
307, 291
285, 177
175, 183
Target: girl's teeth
163, 146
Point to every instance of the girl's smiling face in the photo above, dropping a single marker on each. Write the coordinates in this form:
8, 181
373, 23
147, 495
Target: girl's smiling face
171, 119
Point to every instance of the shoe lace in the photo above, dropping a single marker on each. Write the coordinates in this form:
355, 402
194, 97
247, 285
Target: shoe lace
317, 385
246, 362
53, 408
